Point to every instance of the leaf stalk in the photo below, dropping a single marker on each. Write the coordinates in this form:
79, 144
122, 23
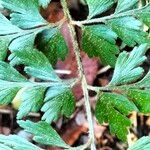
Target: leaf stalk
81, 73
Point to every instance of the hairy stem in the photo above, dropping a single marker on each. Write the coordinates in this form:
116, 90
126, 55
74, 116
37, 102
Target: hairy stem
81, 74
89, 113
113, 16
117, 87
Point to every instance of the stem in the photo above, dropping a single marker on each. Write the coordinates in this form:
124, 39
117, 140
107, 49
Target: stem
81, 74
104, 19
129, 139
116, 88
89, 113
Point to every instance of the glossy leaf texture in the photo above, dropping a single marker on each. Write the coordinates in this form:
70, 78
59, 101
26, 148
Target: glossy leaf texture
55, 96
144, 15
14, 142
58, 100
6, 27
127, 95
113, 108
127, 67
52, 44
98, 6
15, 38
43, 133
21, 44
31, 100
25, 13
141, 144
124, 5
129, 30
22, 36
141, 99
44, 3
17, 35
125, 23
37, 65
99, 41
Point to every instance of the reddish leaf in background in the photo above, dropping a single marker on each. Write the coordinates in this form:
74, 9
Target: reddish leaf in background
90, 65
54, 13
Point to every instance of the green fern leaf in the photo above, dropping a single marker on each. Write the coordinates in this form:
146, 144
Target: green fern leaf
15, 38
31, 100
145, 82
113, 108
127, 23
59, 100
44, 133
56, 97
53, 45
141, 99
142, 144
144, 15
99, 40
8, 91
98, 6
25, 13
9, 73
6, 28
26, 16
124, 5
44, 3
14, 142
127, 67
37, 64
129, 30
